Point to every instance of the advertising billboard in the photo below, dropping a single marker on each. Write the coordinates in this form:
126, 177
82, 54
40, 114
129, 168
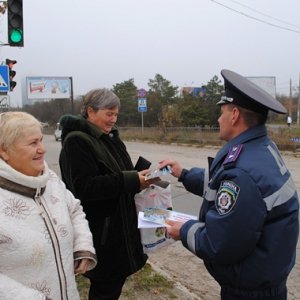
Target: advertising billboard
195, 91
48, 87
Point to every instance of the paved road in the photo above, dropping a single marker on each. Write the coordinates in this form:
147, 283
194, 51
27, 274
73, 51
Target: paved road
174, 260
182, 200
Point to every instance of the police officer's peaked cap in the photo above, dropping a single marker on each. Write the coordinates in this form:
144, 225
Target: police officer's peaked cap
244, 93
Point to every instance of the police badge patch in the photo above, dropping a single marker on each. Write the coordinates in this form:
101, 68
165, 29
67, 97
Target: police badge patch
226, 197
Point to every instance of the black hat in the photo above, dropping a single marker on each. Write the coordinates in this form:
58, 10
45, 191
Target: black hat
244, 93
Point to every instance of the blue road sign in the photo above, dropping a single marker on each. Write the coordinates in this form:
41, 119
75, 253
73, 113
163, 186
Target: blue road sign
142, 104
142, 109
4, 78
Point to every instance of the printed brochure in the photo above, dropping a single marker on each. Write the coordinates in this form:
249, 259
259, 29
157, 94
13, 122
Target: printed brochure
152, 216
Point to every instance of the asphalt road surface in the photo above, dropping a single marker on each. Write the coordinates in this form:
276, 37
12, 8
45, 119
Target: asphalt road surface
188, 156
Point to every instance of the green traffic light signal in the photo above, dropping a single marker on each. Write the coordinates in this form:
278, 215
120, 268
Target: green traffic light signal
16, 36
15, 23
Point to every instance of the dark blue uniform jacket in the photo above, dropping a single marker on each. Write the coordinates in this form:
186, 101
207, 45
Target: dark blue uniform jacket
248, 225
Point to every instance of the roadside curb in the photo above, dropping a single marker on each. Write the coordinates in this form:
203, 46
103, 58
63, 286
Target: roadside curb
177, 285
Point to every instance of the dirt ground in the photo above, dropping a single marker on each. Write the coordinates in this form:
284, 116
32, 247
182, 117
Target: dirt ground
192, 281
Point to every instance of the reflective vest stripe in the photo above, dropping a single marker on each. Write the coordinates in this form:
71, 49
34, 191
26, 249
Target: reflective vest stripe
191, 236
284, 194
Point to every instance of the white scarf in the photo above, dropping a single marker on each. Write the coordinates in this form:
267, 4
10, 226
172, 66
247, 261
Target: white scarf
35, 182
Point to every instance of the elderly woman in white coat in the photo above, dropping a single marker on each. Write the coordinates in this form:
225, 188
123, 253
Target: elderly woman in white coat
44, 235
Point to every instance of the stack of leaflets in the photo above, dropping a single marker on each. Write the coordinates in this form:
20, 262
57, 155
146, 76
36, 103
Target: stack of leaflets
153, 217
159, 172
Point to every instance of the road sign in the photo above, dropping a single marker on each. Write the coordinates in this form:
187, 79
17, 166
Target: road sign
142, 104
142, 109
4, 78
141, 93
3, 99
4, 102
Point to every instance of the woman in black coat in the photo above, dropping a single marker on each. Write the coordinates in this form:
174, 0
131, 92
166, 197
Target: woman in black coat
97, 168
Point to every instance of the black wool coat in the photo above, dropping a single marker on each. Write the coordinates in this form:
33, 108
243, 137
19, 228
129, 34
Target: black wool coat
97, 168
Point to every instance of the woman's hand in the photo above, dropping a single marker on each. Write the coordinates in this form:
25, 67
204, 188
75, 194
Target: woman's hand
81, 265
146, 183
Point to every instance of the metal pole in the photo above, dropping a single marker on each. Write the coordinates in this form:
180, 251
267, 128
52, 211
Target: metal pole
71, 96
298, 110
142, 122
290, 102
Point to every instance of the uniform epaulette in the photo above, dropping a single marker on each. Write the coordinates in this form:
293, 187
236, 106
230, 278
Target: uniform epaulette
232, 155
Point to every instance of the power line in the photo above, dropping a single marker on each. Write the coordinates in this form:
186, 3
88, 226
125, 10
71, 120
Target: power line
254, 18
261, 13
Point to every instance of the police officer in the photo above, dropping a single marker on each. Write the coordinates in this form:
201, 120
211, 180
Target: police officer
248, 225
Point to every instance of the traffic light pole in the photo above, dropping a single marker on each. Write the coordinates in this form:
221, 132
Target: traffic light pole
298, 109
71, 96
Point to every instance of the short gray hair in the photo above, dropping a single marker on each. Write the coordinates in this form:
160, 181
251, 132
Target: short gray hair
13, 125
99, 99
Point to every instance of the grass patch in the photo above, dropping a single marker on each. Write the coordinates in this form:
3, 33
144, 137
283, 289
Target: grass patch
83, 285
147, 280
140, 285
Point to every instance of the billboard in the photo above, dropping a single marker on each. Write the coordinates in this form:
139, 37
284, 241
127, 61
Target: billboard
195, 91
267, 83
48, 87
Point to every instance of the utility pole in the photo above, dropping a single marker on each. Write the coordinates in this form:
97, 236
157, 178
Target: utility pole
71, 95
298, 110
290, 102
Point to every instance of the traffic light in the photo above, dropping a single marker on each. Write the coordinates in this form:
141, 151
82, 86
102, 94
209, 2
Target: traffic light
12, 73
15, 23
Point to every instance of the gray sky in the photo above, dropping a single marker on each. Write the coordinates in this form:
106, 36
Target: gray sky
101, 43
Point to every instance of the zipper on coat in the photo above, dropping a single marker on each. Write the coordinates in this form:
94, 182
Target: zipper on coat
55, 243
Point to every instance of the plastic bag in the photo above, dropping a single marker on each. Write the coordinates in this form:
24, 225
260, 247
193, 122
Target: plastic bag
157, 195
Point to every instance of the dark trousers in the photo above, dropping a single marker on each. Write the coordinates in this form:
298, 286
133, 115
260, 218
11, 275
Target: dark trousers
106, 290
269, 294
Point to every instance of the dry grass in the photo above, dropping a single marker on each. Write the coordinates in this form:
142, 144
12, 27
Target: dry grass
140, 285
205, 136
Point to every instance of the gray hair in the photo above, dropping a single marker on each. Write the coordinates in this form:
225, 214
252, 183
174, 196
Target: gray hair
99, 99
13, 125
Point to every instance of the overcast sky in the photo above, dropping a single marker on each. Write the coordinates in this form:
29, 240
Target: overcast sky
101, 43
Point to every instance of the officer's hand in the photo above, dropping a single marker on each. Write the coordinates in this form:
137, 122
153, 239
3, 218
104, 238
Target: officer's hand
173, 229
176, 168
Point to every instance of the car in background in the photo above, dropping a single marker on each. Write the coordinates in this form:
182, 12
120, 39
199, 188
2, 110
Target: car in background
57, 132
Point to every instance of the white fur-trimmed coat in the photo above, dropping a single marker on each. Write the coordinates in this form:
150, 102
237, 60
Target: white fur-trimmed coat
40, 236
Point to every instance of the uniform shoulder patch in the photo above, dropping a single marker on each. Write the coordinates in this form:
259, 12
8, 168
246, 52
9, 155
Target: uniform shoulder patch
226, 197
233, 154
